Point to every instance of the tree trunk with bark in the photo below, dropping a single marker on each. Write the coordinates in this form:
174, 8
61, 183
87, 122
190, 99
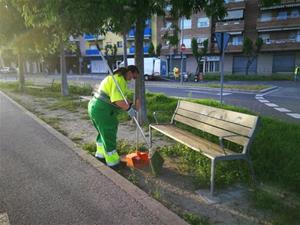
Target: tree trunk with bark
125, 49
64, 81
21, 72
140, 99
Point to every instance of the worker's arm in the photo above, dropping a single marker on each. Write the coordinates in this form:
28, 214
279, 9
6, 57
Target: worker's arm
122, 104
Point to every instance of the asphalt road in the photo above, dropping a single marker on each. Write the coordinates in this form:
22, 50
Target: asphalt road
43, 181
286, 97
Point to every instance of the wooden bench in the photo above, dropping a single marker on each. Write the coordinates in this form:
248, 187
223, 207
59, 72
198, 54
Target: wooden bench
227, 125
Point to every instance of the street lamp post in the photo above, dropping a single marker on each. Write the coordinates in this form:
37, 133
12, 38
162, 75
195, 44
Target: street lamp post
181, 54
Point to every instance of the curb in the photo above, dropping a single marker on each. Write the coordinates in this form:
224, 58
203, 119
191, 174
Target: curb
156, 208
213, 89
268, 89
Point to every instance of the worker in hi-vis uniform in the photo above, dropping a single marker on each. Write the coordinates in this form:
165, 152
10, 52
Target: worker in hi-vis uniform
103, 109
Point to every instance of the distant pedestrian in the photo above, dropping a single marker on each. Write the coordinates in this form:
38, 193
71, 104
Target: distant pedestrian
176, 72
297, 72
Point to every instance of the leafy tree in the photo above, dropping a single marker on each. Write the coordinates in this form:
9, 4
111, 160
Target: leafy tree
111, 54
199, 53
151, 50
19, 39
250, 51
158, 49
154, 52
60, 17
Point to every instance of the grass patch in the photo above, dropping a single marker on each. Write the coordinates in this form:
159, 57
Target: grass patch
275, 150
281, 213
232, 77
195, 219
90, 148
67, 103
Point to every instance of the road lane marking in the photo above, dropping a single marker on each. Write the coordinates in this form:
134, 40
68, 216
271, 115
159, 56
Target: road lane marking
271, 104
295, 115
225, 93
4, 219
282, 109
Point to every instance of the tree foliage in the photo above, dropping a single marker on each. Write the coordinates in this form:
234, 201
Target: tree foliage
251, 51
199, 53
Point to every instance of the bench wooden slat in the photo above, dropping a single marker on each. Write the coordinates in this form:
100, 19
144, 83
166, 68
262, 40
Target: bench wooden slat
241, 140
232, 127
227, 115
194, 142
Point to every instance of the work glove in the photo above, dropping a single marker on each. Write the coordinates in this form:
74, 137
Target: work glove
131, 112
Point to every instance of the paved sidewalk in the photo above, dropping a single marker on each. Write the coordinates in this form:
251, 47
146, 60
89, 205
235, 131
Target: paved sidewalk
45, 179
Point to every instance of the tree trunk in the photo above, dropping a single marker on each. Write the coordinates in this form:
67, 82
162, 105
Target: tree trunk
125, 49
139, 62
21, 72
80, 65
64, 81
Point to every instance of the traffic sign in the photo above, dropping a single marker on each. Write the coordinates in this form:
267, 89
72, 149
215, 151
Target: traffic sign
182, 47
222, 39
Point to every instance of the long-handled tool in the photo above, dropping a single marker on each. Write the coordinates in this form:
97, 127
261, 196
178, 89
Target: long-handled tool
139, 158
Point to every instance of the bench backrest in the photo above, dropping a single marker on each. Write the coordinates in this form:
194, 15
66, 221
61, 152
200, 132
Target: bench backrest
218, 122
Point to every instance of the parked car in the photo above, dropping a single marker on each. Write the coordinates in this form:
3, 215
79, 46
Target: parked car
7, 69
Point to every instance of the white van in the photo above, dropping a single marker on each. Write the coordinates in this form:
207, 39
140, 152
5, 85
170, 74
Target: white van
153, 67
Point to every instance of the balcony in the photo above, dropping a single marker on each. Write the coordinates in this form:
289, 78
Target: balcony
281, 45
275, 24
92, 52
230, 48
235, 4
92, 37
131, 50
147, 33
282, 4
230, 26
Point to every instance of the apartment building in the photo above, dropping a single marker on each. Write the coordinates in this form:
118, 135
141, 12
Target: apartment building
278, 26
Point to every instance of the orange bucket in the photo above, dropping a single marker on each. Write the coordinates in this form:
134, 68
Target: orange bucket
137, 159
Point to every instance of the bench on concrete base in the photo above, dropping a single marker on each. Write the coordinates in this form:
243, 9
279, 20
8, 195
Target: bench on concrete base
228, 126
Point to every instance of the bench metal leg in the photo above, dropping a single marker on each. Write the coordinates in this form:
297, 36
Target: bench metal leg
212, 176
251, 170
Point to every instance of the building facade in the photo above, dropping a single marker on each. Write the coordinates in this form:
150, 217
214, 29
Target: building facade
278, 26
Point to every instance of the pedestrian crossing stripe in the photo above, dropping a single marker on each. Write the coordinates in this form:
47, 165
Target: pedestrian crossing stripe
282, 109
271, 105
295, 115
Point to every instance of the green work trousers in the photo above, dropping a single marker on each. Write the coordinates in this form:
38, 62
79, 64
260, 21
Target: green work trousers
104, 118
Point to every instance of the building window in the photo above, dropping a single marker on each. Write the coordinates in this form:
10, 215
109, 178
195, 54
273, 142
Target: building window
265, 38
203, 22
234, 14
187, 24
298, 36
187, 42
266, 17
282, 15
237, 40
119, 44
295, 13
93, 46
